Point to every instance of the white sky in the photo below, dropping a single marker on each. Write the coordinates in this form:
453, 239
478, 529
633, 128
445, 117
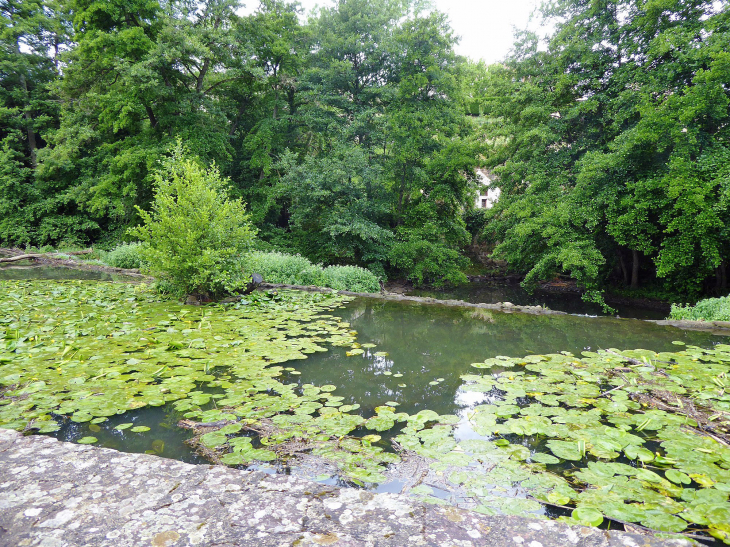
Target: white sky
485, 26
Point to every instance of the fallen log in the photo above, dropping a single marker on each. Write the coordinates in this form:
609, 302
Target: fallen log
34, 256
22, 257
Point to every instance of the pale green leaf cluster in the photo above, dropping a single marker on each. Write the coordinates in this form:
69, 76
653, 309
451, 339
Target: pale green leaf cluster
195, 236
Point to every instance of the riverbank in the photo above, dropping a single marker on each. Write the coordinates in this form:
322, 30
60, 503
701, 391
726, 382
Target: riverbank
392, 292
62, 494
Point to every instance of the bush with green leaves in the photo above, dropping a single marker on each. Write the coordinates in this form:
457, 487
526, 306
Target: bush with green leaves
195, 236
125, 255
709, 309
277, 267
350, 278
425, 262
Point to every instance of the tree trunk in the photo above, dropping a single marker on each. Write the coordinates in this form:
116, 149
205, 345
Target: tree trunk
291, 99
635, 269
401, 193
721, 277
624, 269
151, 115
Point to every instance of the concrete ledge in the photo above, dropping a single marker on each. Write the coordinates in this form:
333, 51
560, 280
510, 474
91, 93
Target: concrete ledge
56, 494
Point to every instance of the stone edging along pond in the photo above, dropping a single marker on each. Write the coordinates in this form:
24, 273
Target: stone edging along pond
715, 327
55, 493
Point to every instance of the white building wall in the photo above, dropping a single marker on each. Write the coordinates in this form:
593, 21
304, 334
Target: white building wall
488, 196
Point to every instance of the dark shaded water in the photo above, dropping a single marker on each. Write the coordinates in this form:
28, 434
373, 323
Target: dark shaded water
569, 302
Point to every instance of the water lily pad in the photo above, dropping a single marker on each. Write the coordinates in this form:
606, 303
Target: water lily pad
214, 439
87, 440
140, 429
587, 515
544, 458
565, 450
657, 520
677, 477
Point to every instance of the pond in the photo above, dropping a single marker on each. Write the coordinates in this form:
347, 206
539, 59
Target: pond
428, 342
484, 409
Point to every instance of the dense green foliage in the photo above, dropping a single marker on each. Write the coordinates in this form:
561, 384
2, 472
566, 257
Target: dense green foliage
709, 309
194, 237
297, 270
354, 135
611, 144
345, 134
125, 255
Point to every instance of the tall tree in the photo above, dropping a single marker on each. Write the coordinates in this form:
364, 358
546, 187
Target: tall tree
142, 73
32, 36
600, 141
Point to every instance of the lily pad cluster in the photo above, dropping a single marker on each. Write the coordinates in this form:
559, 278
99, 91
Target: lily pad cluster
86, 352
645, 434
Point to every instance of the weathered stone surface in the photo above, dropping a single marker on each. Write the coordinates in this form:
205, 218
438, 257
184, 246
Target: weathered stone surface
55, 494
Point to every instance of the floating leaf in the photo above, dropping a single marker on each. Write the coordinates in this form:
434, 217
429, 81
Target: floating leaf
87, 440
588, 515
233, 458
544, 458
677, 477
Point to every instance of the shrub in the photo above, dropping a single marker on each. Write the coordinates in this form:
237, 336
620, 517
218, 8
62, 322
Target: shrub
426, 262
296, 270
350, 278
125, 255
195, 235
710, 309
278, 267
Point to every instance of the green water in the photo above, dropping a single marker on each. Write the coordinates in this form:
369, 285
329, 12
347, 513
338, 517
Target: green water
429, 342
29, 270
